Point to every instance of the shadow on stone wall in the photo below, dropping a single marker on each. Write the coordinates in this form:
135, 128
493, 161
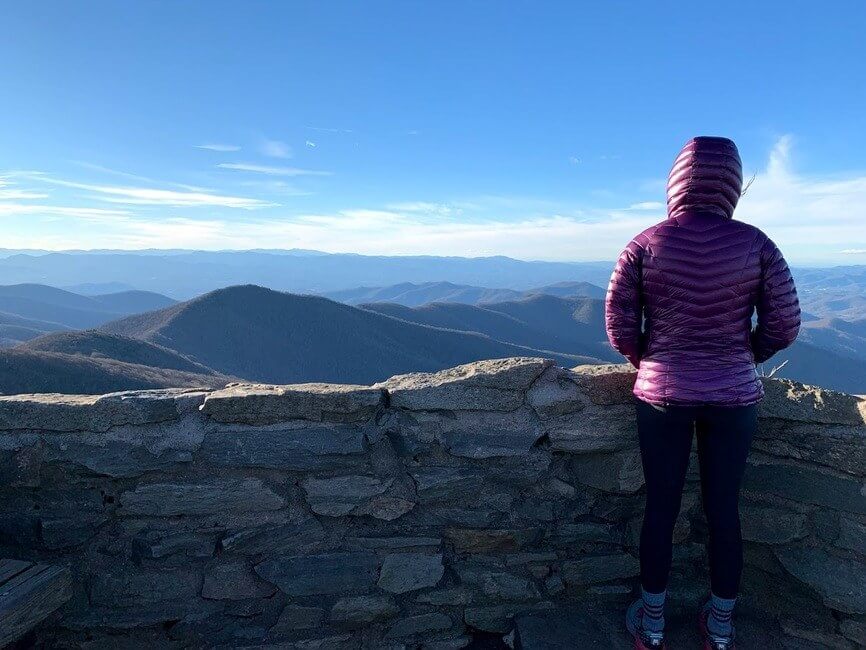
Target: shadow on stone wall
422, 509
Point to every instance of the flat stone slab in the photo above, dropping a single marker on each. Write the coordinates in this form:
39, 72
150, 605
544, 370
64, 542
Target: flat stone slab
791, 400
59, 412
492, 385
260, 404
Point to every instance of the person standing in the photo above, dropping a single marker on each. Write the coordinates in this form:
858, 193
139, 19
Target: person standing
679, 307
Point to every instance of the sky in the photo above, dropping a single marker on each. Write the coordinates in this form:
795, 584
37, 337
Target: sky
537, 130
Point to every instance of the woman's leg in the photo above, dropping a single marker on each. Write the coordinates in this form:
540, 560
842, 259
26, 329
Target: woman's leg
724, 439
665, 435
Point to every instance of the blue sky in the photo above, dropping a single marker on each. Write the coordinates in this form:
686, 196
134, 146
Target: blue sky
539, 130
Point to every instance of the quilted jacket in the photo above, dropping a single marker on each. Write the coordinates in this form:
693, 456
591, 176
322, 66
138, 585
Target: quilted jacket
680, 301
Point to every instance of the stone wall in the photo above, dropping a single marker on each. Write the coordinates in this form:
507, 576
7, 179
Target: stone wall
418, 511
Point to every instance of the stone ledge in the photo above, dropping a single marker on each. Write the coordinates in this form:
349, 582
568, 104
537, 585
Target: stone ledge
499, 385
260, 404
491, 385
59, 412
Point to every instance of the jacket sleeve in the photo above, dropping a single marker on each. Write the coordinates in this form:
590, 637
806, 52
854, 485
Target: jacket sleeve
623, 309
778, 306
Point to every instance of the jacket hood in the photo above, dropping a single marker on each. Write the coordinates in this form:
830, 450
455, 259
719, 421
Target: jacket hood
707, 176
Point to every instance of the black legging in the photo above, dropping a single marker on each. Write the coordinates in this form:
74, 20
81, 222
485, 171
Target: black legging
724, 437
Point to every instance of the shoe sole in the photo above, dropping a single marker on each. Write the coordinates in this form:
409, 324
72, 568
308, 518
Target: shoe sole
702, 628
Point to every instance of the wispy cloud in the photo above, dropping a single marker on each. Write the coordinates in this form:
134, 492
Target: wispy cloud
18, 195
19, 209
275, 149
647, 205
271, 170
805, 212
854, 251
152, 196
134, 177
218, 147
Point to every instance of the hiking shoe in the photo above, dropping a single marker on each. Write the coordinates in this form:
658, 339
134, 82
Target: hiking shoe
643, 639
712, 641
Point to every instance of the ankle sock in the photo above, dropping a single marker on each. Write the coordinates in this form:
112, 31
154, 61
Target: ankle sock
720, 619
653, 610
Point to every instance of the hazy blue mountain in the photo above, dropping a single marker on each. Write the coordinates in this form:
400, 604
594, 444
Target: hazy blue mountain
133, 302
14, 329
265, 335
33, 371
414, 295
58, 308
92, 343
98, 288
572, 325
184, 274
847, 338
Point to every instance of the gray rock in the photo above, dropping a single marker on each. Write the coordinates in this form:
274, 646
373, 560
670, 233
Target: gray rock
20, 460
290, 537
294, 617
467, 540
342, 495
72, 531
493, 385
582, 534
555, 393
191, 499
422, 624
606, 384
603, 568
450, 596
855, 631
387, 508
260, 404
619, 472
234, 581
790, 400
435, 484
330, 573
315, 447
57, 412
484, 435
771, 525
840, 448
498, 585
852, 535
499, 618
596, 429
554, 585
358, 611
841, 582
806, 484
154, 545
404, 572
128, 586
397, 542
115, 458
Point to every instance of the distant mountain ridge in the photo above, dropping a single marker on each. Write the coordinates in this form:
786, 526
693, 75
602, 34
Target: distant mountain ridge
39, 309
34, 371
265, 335
415, 295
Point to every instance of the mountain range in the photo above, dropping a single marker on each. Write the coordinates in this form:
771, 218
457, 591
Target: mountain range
30, 310
131, 338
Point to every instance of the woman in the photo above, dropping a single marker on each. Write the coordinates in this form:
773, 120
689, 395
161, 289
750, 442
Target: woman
679, 307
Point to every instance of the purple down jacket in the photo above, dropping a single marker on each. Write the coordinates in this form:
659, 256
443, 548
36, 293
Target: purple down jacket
680, 301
